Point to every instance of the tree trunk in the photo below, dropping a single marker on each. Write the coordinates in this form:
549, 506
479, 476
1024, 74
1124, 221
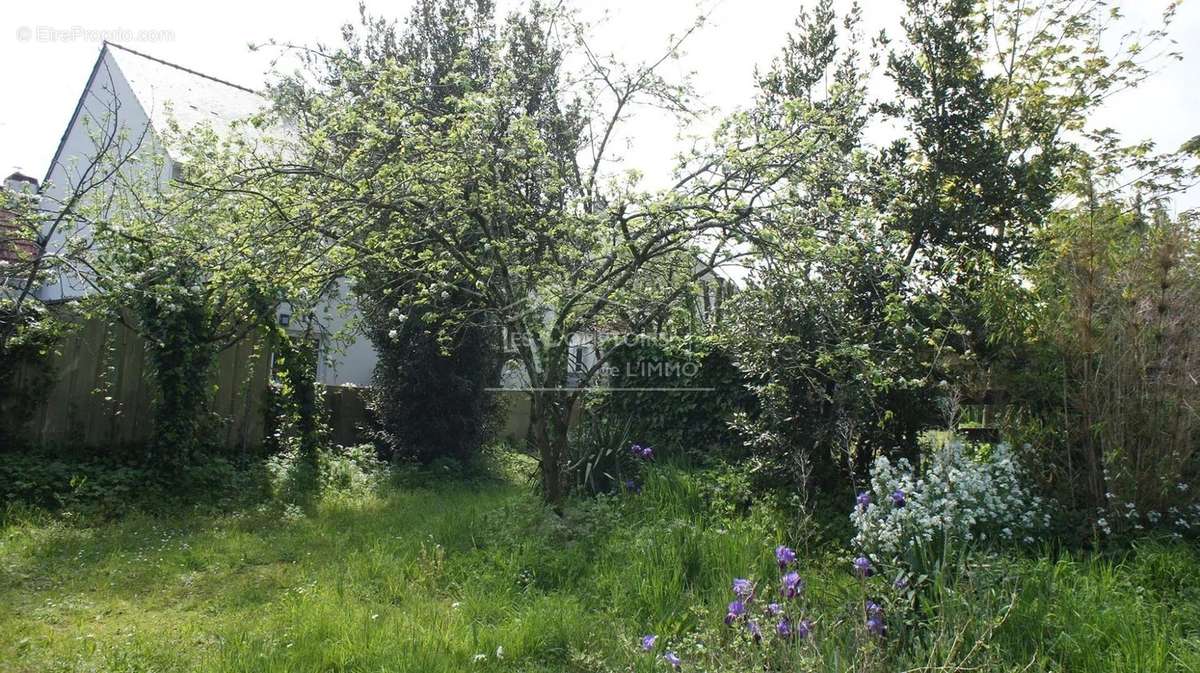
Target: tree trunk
550, 445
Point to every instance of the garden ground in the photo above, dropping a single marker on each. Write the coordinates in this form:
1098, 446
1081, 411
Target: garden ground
452, 576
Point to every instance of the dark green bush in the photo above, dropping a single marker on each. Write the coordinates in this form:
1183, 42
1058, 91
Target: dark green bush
599, 458
113, 485
430, 385
26, 371
693, 420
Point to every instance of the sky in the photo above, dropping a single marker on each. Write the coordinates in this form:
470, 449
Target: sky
47, 49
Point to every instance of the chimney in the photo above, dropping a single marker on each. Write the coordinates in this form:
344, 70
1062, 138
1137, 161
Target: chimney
19, 182
16, 243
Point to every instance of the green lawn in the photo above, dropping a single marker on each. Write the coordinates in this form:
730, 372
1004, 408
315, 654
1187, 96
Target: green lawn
428, 579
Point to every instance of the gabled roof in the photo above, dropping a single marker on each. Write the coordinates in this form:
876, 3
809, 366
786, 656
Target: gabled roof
168, 91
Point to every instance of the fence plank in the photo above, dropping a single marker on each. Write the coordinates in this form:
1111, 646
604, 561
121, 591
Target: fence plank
74, 412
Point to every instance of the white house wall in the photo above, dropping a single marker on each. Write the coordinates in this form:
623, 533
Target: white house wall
348, 358
106, 91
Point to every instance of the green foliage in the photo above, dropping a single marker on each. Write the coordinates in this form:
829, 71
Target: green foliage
26, 370
29, 329
599, 459
481, 188
1102, 364
693, 421
102, 487
832, 332
198, 263
425, 578
299, 425
180, 360
54, 483
883, 269
298, 482
430, 387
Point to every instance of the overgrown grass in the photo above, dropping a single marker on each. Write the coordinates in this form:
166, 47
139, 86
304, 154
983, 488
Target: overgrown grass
446, 576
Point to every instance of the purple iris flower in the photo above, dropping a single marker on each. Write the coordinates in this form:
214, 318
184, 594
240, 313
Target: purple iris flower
672, 659
863, 499
742, 588
774, 608
862, 567
736, 609
898, 498
804, 628
643, 452
752, 627
784, 629
875, 618
901, 583
785, 555
647, 453
792, 585
648, 642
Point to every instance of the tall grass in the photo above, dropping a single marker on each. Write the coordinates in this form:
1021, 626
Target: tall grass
453, 577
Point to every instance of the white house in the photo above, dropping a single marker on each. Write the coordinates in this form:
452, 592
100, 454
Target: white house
139, 96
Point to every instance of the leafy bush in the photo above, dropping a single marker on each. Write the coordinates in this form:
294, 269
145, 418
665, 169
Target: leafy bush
958, 496
843, 371
108, 487
296, 418
430, 384
26, 373
694, 420
353, 470
342, 471
603, 457
1104, 351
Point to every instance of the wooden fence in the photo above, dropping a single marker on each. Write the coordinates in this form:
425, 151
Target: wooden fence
101, 395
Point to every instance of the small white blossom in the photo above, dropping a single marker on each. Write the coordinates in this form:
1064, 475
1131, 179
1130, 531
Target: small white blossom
955, 495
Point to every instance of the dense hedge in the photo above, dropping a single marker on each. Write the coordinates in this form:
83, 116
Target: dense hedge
680, 392
431, 393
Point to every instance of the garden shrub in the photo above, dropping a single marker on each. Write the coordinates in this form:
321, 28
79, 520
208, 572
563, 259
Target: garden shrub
296, 416
958, 496
26, 371
695, 420
113, 485
1104, 358
175, 323
430, 385
840, 374
343, 471
599, 459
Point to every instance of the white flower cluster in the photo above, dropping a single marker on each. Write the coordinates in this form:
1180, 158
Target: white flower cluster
958, 496
1177, 521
